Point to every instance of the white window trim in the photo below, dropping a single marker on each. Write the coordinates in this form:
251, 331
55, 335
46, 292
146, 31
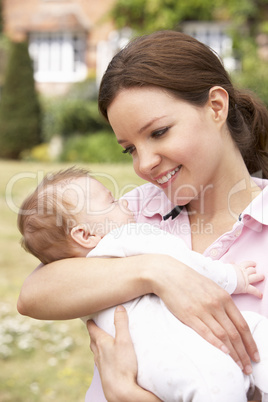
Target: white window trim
214, 35
59, 56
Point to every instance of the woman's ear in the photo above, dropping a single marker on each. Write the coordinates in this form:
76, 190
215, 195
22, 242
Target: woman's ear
219, 103
81, 235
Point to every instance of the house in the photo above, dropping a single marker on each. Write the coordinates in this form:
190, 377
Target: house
65, 37
216, 36
72, 39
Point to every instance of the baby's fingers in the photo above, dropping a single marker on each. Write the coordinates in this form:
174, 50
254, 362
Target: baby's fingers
248, 264
255, 278
252, 290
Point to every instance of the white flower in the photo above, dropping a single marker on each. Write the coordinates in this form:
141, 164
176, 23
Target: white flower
5, 351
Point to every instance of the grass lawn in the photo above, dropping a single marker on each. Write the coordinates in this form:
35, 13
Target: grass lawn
40, 360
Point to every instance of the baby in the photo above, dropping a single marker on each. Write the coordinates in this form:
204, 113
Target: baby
71, 214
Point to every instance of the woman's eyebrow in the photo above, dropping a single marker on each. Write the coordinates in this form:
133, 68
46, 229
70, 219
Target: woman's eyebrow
143, 128
147, 125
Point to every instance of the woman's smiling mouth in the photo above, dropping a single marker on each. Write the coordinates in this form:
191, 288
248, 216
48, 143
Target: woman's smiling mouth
164, 179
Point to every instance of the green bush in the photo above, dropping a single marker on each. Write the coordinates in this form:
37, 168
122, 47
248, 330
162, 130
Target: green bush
100, 147
68, 117
20, 112
79, 117
253, 75
86, 89
39, 153
255, 82
4, 45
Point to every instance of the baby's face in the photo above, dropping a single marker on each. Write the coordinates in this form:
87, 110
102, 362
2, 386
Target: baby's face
98, 207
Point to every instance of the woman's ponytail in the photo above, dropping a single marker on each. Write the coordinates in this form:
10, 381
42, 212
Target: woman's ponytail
248, 124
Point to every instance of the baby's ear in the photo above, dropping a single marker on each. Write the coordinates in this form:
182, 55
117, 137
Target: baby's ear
81, 235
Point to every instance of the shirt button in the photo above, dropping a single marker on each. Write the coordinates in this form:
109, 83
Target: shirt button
214, 252
238, 233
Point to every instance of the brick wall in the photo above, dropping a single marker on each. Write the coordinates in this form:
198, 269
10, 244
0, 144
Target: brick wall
22, 17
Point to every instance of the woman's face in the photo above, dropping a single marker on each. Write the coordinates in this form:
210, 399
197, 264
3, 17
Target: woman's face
174, 145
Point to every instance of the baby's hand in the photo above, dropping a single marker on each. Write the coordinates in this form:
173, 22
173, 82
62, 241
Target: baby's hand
246, 276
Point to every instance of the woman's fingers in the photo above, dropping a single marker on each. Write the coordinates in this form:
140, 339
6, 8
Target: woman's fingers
214, 316
234, 336
123, 344
237, 337
249, 349
121, 325
210, 311
227, 339
96, 334
115, 357
213, 332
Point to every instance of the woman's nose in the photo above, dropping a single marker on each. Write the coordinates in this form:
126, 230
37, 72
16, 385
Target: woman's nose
147, 161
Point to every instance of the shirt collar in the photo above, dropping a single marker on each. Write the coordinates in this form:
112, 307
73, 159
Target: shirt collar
159, 204
258, 208
156, 203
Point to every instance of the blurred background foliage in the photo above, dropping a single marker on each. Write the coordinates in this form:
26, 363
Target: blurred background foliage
20, 110
70, 128
145, 16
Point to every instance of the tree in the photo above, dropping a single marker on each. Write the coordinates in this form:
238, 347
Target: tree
145, 16
247, 19
20, 113
1, 17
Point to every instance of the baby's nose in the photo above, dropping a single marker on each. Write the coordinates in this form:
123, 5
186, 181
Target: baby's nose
124, 203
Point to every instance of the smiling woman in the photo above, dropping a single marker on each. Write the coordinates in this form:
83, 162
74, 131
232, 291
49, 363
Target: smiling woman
163, 143
196, 140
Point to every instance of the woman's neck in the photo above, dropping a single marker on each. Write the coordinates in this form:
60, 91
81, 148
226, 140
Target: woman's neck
218, 208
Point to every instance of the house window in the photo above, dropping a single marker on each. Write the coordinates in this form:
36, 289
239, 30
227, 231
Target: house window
214, 35
58, 57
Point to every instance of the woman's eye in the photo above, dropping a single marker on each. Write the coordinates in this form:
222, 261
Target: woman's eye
160, 132
129, 150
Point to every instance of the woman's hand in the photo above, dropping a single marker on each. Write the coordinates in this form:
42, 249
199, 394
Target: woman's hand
116, 361
205, 307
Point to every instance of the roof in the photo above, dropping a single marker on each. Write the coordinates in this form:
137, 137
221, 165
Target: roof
70, 18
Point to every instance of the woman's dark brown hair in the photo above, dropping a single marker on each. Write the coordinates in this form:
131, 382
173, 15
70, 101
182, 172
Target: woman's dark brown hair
188, 69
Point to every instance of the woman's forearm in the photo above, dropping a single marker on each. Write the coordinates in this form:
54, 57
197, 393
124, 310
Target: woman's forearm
77, 287
135, 393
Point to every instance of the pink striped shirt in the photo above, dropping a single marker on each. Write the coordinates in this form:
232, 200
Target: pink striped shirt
248, 239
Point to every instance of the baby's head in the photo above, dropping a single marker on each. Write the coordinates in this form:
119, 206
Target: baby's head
68, 214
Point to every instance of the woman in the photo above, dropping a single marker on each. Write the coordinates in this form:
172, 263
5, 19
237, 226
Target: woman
196, 140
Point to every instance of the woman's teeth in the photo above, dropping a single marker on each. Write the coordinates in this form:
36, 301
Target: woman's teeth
168, 176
